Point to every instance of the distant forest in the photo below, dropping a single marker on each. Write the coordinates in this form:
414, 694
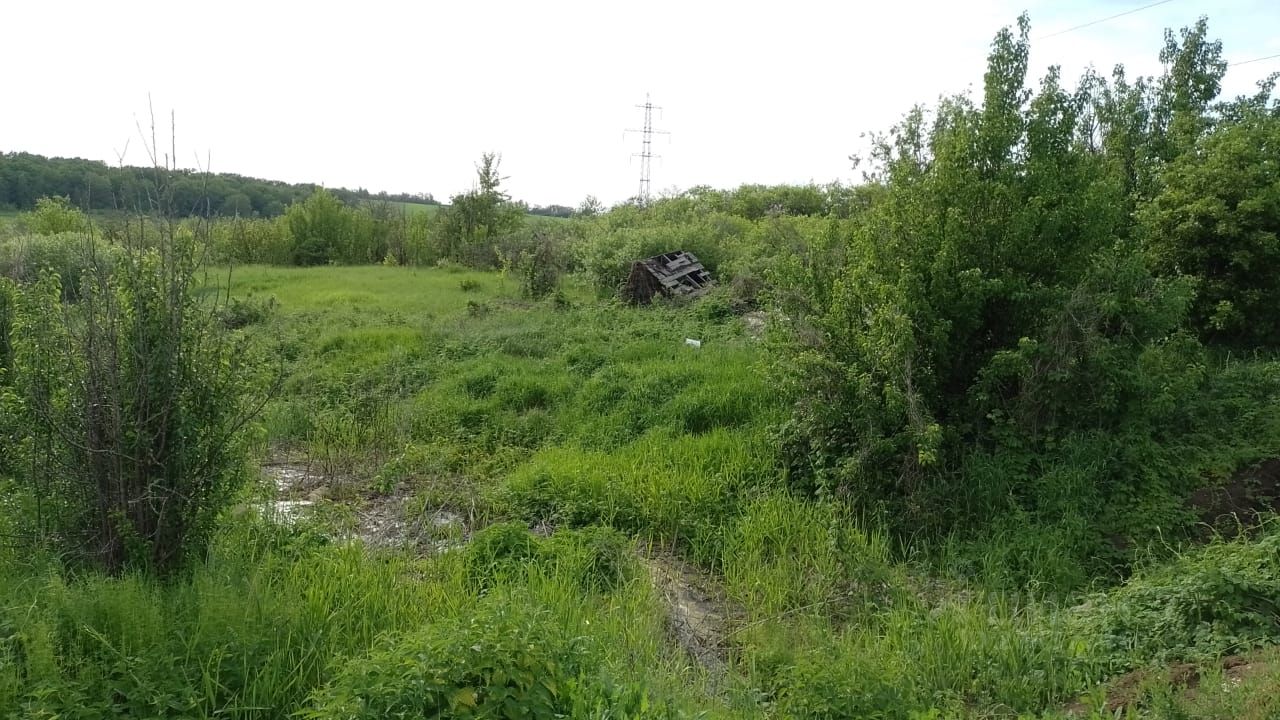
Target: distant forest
94, 185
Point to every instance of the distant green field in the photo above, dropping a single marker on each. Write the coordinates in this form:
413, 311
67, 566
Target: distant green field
416, 208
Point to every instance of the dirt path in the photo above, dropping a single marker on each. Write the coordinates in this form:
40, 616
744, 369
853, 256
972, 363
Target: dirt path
698, 614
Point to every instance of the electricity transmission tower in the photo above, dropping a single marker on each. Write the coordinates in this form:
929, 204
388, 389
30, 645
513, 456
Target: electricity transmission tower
646, 147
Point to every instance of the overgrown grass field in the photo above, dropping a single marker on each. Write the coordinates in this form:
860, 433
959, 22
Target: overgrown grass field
993, 434
648, 471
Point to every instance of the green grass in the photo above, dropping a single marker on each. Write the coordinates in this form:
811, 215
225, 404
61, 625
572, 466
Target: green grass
573, 416
413, 208
272, 616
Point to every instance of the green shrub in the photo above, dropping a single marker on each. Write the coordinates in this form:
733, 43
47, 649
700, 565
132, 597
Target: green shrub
505, 661
69, 255
323, 230
1220, 600
242, 312
822, 690
57, 216
252, 240
990, 341
614, 241
1216, 218
134, 467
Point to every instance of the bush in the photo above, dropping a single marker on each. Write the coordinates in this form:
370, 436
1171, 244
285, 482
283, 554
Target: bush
56, 216
136, 404
819, 689
69, 255
613, 242
503, 662
540, 266
252, 240
470, 230
506, 661
990, 340
11, 412
596, 558
242, 312
323, 230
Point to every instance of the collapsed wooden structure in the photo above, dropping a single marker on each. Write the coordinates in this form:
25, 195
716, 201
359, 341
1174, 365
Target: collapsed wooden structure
674, 274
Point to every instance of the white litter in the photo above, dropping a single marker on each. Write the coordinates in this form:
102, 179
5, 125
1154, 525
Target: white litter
693, 343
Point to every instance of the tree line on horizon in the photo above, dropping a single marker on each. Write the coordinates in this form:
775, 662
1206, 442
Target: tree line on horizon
93, 185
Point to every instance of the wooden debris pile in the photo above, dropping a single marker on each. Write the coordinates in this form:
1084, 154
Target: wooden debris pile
674, 274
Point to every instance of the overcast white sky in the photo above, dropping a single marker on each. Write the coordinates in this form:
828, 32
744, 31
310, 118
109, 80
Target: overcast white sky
405, 96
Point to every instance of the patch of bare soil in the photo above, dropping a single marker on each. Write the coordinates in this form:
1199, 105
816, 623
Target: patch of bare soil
1239, 502
388, 520
1129, 690
698, 613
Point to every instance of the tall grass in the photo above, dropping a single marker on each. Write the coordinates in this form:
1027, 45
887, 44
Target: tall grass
273, 616
581, 419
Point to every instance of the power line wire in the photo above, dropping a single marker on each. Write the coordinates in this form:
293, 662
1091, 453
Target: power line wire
1102, 20
1246, 62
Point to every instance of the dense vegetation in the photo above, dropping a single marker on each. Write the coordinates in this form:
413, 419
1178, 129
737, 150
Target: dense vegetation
993, 434
93, 185
1030, 324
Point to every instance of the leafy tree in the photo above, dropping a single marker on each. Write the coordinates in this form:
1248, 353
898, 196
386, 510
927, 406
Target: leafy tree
1194, 67
476, 217
560, 211
589, 207
981, 301
325, 230
237, 204
1217, 218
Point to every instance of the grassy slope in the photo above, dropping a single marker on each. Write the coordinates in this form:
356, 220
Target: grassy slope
570, 416
416, 208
